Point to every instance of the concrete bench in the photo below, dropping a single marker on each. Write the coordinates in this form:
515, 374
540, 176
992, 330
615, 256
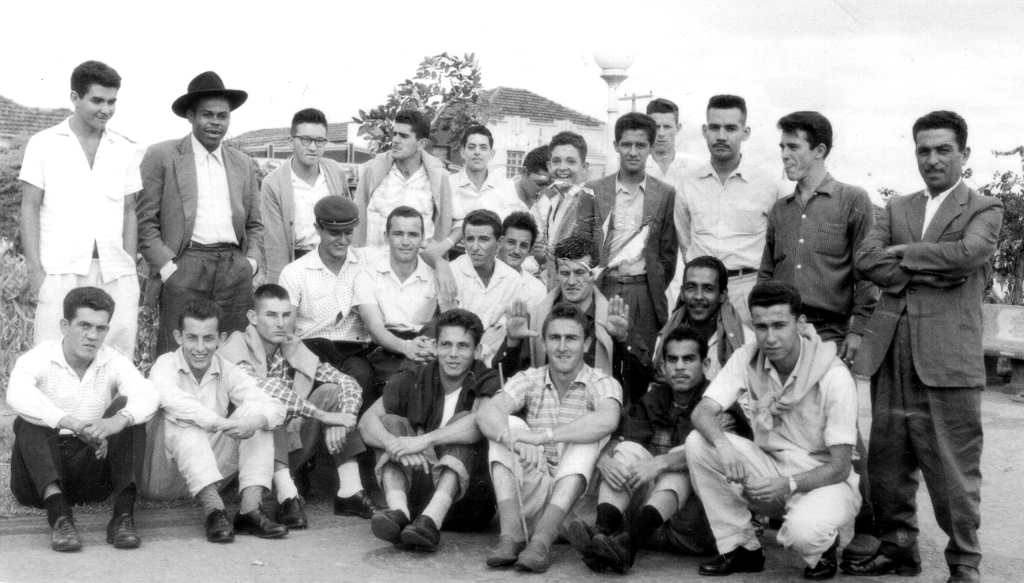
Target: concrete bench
1004, 337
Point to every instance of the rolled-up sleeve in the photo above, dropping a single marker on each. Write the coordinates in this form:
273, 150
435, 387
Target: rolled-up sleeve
731, 381
840, 407
143, 400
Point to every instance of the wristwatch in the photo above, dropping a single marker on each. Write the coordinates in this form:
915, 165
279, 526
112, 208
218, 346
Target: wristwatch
792, 485
551, 434
128, 416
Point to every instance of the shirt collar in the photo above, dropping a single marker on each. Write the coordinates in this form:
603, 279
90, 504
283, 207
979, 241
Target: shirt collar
355, 257
462, 179
827, 187
769, 367
296, 180
421, 273
183, 366
202, 154
57, 355
707, 169
582, 378
64, 129
398, 173
942, 195
620, 187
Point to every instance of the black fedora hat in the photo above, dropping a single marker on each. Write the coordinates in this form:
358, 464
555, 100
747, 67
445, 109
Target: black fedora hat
207, 84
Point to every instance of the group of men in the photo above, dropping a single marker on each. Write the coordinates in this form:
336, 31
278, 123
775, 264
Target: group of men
509, 349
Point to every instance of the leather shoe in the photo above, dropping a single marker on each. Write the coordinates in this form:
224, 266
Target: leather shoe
421, 534
387, 525
614, 551
360, 504
581, 536
218, 529
903, 562
121, 532
739, 560
64, 537
826, 567
861, 548
963, 574
258, 523
535, 558
292, 513
505, 552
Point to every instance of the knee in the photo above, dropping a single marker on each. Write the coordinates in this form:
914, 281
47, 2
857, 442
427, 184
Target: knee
630, 451
396, 425
326, 393
698, 450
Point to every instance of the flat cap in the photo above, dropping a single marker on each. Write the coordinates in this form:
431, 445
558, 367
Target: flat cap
336, 212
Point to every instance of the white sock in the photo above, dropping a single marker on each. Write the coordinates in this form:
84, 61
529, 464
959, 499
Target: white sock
284, 485
349, 483
438, 507
397, 500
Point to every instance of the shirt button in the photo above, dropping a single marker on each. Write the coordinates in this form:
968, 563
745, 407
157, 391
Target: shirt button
913, 290
801, 240
803, 216
798, 267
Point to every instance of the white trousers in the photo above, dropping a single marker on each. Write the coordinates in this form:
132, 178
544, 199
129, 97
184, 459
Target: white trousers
811, 520
631, 452
123, 324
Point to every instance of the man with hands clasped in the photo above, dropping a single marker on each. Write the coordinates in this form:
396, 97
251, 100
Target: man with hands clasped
801, 402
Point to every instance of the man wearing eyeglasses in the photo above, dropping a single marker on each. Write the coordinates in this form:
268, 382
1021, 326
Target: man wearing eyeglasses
290, 191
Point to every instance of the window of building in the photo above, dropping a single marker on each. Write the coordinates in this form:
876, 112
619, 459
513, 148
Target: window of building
514, 163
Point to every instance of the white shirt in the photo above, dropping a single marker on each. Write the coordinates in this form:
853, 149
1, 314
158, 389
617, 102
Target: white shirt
43, 387
450, 401
727, 221
82, 206
306, 197
487, 302
213, 199
534, 290
495, 194
323, 300
677, 170
932, 206
407, 306
395, 191
623, 251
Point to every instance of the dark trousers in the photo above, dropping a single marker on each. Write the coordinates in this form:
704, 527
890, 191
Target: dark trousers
833, 329
637, 295
686, 533
476, 508
222, 275
42, 456
934, 429
349, 358
311, 434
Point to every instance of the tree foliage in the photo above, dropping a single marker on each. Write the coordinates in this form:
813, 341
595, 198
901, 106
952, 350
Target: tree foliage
445, 88
1009, 188
10, 192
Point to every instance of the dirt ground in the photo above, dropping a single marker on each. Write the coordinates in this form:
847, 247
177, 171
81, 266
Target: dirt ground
342, 549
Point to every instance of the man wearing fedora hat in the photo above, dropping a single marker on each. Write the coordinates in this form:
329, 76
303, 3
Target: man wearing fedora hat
199, 212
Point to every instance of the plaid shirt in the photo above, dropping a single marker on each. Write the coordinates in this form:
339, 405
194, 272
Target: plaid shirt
538, 402
278, 384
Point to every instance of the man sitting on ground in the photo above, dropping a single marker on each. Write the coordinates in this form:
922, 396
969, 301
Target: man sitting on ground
322, 405
801, 402
79, 437
554, 420
196, 444
644, 467
424, 433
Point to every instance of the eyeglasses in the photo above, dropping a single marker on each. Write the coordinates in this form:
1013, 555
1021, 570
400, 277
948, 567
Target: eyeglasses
306, 140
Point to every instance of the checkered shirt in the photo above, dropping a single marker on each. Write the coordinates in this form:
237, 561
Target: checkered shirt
395, 191
278, 384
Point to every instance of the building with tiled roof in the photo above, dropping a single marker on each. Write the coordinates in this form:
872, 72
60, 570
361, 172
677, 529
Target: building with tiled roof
536, 108
19, 120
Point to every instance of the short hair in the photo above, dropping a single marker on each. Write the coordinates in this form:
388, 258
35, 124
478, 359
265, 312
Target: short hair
728, 102
477, 129
636, 121
201, 309
773, 293
416, 120
269, 291
406, 212
458, 318
87, 297
566, 311
943, 120
483, 218
523, 221
309, 115
92, 73
536, 160
816, 126
684, 332
576, 247
569, 139
662, 105
709, 262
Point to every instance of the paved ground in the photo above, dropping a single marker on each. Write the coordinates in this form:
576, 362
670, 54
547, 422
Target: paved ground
342, 549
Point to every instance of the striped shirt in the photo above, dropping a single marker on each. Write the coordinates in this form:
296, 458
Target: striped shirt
539, 404
278, 384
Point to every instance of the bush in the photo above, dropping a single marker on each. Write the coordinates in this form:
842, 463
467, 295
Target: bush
17, 313
10, 192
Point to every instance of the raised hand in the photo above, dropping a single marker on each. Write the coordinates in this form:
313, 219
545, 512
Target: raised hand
618, 318
517, 323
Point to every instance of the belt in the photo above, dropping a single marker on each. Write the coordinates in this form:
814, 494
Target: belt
213, 247
819, 315
740, 271
642, 278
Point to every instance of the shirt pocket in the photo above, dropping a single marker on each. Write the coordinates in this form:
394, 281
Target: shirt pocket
831, 239
748, 217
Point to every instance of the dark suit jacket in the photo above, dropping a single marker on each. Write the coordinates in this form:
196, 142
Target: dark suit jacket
662, 245
945, 323
166, 207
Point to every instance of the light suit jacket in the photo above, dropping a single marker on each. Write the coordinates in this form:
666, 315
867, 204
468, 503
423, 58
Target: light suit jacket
945, 323
166, 207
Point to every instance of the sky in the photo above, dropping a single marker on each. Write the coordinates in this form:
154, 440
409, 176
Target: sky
871, 66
